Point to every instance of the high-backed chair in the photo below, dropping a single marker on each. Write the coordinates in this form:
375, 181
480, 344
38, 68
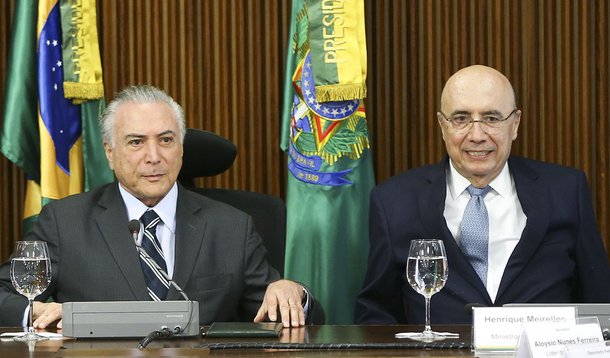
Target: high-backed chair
207, 154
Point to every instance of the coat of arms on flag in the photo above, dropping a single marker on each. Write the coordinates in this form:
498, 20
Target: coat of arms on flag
323, 131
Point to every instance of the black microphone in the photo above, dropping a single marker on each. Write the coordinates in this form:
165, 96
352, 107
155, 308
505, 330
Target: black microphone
134, 229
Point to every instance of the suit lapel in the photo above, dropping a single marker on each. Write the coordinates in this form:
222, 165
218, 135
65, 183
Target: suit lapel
433, 206
533, 198
190, 229
112, 223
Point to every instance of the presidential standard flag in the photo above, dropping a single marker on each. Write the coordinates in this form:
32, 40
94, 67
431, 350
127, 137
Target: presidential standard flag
329, 161
55, 141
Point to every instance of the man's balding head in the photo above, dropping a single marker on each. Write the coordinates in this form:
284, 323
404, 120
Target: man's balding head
478, 148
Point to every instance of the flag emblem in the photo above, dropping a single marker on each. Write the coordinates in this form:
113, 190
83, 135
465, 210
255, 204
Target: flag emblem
323, 132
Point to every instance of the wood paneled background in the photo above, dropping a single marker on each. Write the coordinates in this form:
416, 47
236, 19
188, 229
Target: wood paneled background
223, 60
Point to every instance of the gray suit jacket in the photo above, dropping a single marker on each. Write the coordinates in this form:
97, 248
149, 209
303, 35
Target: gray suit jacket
220, 260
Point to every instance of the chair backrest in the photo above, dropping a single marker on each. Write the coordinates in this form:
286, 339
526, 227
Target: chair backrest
205, 154
208, 154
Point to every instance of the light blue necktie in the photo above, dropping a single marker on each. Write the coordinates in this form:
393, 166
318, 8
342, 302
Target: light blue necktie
157, 284
475, 231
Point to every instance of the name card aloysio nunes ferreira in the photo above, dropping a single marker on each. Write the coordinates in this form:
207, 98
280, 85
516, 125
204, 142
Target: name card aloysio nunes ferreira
497, 329
583, 339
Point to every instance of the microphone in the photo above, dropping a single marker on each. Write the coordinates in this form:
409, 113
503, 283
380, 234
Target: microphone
134, 229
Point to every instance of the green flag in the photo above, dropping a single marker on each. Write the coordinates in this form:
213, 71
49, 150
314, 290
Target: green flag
329, 161
19, 135
55, 141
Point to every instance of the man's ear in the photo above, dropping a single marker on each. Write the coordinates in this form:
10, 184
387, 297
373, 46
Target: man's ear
516, 124
441, 120
108, 151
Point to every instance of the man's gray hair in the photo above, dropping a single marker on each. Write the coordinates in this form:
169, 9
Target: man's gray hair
138, 94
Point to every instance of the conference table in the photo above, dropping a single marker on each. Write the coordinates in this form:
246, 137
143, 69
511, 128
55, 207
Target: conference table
308, 341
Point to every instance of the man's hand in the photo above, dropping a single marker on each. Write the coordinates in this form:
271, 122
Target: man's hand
46, 314
286, 295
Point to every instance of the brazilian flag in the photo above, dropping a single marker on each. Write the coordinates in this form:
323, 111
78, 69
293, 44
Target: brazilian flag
54, 96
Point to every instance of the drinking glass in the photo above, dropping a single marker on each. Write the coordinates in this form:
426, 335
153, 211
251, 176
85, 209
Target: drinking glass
31, 275
427, 272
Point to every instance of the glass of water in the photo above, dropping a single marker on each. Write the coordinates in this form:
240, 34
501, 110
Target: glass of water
427, 272
31, 275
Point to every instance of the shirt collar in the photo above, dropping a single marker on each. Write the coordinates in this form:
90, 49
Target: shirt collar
457, 183
166, 208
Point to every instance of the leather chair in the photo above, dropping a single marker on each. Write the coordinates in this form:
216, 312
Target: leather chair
207, 154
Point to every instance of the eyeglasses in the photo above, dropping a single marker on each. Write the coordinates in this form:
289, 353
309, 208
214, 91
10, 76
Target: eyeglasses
462, 121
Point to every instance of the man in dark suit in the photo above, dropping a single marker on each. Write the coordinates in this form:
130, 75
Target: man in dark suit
209, 248
541, 240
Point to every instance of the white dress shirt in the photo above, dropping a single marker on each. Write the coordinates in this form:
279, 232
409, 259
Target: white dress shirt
506, 219
166, 229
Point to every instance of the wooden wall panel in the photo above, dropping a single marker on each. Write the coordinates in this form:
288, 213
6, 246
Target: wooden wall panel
223, 60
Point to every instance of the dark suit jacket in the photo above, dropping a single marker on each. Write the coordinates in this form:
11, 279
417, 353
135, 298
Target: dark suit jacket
559, 258
220, 260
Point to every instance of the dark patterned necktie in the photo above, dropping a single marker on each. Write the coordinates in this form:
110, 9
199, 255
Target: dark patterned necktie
475, 231
156, 282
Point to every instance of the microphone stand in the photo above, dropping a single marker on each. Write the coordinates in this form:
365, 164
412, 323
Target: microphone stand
134, 235
134, 229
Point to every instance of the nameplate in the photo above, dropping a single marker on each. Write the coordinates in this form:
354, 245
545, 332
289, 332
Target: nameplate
588, 351
567, 340
499, 328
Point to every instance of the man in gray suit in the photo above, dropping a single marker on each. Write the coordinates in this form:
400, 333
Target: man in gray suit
209, 249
